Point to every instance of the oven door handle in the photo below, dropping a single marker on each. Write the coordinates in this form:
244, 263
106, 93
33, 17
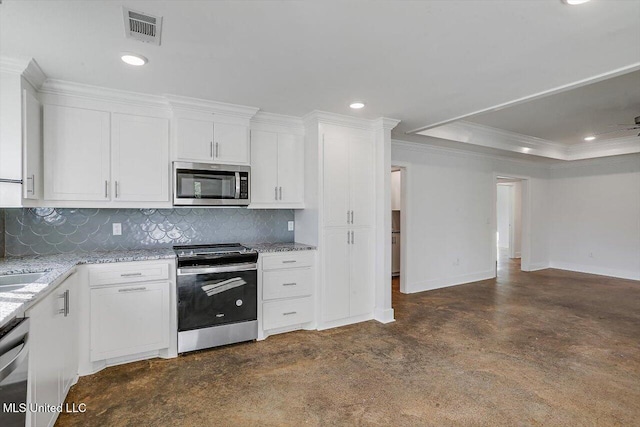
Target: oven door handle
187, 271
15, 361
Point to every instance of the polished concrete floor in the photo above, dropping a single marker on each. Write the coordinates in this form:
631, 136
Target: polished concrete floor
542, 348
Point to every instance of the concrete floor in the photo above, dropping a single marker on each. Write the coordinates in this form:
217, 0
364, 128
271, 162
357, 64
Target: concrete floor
543, 348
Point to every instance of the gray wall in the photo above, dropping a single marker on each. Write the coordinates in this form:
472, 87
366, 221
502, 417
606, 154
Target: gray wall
1, 233
47, 230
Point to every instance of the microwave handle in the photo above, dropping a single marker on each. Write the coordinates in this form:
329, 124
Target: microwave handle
237, 185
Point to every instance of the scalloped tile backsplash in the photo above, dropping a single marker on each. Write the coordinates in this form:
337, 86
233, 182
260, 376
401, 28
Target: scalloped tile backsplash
47, 230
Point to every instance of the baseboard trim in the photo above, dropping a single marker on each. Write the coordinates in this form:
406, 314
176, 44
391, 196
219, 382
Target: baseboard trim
345, 322
537, 266
600, 271
384, 315
444, 282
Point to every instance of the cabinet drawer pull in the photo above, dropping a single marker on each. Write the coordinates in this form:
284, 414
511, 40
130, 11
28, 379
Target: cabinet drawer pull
289, 261
130, 274
289, 313
289, 284
132, 289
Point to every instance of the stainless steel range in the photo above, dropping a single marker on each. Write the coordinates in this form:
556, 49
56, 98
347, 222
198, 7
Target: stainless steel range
217, 295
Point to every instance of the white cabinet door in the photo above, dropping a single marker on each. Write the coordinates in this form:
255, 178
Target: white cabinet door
129, 319
264, 168
32, 146
231, 143
45, 357
69, 336
290, 168
335, 293
140, 158
361, 268
336, 175
361, 180
194, 139
76, 149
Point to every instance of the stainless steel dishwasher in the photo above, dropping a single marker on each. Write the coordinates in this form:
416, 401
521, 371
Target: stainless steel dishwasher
14, 359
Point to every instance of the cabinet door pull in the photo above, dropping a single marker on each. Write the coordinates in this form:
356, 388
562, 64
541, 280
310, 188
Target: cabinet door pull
348, 239
289, 261
116, 189
106, 189
289, 313
351, 217
276, 190
217, 150
211, 149
289, 284
280, 193
353, 240
33, 184
348, 217
131, 274
143, 288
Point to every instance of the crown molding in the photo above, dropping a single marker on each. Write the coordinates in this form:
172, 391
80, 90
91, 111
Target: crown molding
13, 65
34, 74
384, 123
263, 118
65, 88
559, 89
423, 147
204, 105
28, 68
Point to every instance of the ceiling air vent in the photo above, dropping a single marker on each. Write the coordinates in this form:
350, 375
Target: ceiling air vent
142, 26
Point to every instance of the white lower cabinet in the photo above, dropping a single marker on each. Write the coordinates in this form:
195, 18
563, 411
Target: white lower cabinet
131, 310
128, 319
53, 352
286, 300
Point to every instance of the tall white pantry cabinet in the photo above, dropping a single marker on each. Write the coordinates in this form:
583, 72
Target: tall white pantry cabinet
344, 202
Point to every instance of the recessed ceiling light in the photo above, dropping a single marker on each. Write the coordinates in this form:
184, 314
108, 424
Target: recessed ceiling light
589, 138
356, 105
574, 2
133, 59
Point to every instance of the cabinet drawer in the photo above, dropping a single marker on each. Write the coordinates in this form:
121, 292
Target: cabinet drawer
292, 259
279, 314
287, 283
128, 273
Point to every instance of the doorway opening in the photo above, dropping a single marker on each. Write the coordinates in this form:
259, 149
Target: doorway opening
398, 228
509, 224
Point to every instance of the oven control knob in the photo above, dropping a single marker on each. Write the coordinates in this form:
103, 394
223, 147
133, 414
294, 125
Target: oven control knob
239, 302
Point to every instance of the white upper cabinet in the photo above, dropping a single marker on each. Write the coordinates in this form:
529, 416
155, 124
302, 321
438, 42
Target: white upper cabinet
231, 143
194, 139
212, 141
76, 152
32, 146
99, 156
277, 170
348, 180
264, 170
140, 158
336, 181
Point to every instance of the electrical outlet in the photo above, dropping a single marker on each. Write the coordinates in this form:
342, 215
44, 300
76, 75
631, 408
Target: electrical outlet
290, 226
117, 229
590, 254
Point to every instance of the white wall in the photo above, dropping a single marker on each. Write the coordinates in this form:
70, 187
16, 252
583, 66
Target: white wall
596, 216
517, 220
503, 207
396, 185
450, 218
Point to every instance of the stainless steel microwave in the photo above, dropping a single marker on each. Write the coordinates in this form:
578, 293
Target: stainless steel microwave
205, 184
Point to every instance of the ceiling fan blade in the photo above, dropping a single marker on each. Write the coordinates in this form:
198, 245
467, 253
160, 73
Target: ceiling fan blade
616, 131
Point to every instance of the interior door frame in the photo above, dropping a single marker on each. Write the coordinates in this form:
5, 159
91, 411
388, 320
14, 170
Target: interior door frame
405, 220
525, 222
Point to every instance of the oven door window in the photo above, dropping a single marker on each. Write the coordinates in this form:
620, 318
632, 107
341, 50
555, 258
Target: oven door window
216, 299
206, 185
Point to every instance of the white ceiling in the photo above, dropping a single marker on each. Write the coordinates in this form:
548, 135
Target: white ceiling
569, 116
421, 62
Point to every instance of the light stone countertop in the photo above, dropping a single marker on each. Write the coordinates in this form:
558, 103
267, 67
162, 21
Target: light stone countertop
57, 267
279, 247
